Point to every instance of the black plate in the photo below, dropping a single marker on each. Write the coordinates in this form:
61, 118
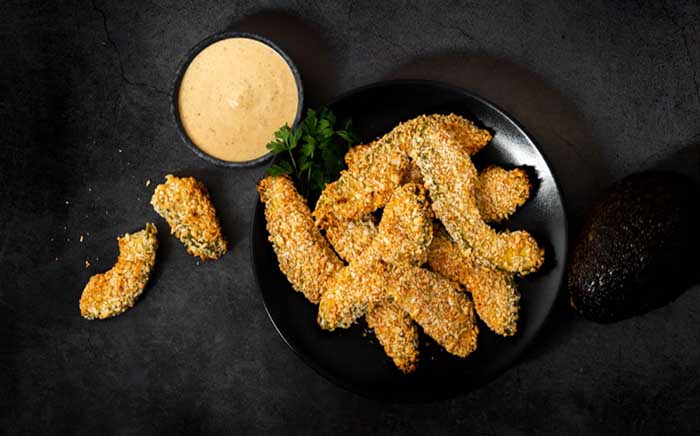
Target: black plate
352, 358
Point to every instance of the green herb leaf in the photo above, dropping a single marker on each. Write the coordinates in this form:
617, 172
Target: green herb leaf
313, 152
280, 169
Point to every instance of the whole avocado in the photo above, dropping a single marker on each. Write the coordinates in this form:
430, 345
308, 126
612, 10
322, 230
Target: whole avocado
637, 247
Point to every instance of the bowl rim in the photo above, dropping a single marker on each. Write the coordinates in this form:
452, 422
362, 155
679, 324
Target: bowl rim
180, 72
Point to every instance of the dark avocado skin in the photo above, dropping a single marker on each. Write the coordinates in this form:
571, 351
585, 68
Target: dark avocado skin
637, 249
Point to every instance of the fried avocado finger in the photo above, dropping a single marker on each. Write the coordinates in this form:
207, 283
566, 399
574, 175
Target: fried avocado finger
406, 228
184, 203
376, 169
496, 297
403, 236
466, 134
452, 180
500, 192
351, 292
351, 239
303, 253
373, 173
443, 311
111, 293
394, 329
397, 334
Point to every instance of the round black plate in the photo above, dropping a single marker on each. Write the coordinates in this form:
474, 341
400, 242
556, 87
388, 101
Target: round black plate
353, 358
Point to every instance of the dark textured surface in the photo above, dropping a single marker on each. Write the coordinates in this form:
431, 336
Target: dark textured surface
637, 247
607, 88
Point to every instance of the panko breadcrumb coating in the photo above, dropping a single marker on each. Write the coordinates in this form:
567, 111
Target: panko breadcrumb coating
351, 239
376, 169
444, 312
396, 332
111, 293
185, 205
470, 138
303, 253
452, 180
352, 291
359, 286
501, 192
373, 173
496, 297
394, 329
406, 228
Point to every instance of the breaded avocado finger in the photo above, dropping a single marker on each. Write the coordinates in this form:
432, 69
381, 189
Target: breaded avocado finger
376, 169
394, 329
303, 253
403, 238
500, 192
184, 203
496, 297
396, 332
350, 239
112, 292
443, 311
406, 228
452, 180
470, 138
374, 172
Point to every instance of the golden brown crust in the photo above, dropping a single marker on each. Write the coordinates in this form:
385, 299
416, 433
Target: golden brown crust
496, 297
351, 292
184, 203
351, 239
394, 329
303, 253
406, 228
396, 332
500, 192
403, 236
376, 169
470, 138
452, 180
111, 293
444, 312
372, 175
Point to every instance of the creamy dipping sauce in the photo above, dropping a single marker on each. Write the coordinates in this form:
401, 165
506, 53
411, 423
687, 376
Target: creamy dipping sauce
234, 95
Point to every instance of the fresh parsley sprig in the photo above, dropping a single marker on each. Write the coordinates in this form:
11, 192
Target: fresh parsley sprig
312, 153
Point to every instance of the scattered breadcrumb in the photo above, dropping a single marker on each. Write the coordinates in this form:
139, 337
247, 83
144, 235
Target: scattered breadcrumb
148, 182
87, 263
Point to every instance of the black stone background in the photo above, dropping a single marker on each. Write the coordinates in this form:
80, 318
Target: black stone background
606, 88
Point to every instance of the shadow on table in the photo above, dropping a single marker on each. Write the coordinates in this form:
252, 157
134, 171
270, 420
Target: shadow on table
303, 42
560, 130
